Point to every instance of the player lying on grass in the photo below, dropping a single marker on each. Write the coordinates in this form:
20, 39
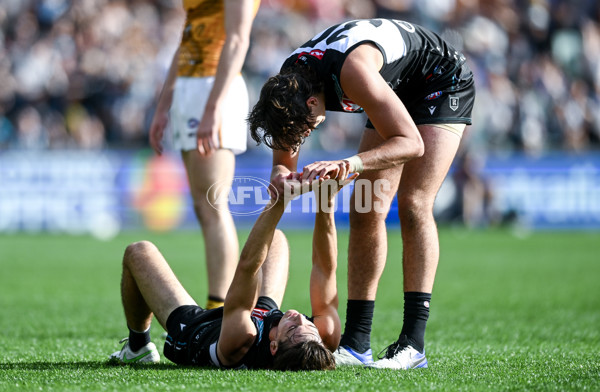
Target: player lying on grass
249, 331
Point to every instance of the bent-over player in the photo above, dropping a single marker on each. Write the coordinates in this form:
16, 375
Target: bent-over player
418, 93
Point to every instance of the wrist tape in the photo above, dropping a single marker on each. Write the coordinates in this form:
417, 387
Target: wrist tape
356, 164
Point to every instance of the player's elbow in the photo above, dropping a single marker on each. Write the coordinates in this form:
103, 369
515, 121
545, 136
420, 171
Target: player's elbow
420, 149
331, 333
239, 42
248, 265
416, 147
406, 148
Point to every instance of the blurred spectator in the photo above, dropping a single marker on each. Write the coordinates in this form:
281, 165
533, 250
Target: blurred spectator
475, 201
83, 74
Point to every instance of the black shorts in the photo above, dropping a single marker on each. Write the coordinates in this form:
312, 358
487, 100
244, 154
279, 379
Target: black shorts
184, 324
191, 330
450, 104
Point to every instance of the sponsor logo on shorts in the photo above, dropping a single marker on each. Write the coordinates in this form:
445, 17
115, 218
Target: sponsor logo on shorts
453, 103
193, 122
433, 96
432, 109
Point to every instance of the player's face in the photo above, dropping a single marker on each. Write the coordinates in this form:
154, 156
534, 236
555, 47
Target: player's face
317, 111
296, 328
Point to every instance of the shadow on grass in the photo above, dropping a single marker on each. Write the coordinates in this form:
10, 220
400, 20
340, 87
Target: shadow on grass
91, 365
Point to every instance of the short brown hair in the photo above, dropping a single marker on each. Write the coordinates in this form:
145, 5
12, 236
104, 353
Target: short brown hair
308, 355
281, 111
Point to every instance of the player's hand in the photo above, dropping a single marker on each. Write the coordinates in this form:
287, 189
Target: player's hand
207, 134
302, 186
286, 187
157, 131
330, 188
277, 186
337, 170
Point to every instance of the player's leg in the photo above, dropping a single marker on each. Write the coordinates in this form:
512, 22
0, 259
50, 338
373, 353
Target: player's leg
148, 287
368, 234
218, 229
420, 183
275, 269
367, 252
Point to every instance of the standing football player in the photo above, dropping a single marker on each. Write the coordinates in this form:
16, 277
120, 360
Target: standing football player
206, 100
418, 94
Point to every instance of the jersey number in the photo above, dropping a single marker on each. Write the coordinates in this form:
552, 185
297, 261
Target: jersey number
331, 35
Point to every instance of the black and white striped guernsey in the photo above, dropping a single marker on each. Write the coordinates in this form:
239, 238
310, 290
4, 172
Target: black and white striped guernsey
417, 62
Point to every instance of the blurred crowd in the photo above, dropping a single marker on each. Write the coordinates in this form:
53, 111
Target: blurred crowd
87, 73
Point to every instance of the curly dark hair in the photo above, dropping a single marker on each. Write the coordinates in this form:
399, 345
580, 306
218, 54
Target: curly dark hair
308, 355
281, 117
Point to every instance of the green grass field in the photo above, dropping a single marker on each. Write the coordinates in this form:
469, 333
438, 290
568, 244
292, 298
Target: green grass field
508, 313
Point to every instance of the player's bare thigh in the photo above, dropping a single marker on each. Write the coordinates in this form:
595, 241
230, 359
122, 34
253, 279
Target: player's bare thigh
423, 177
155, 279
205, 171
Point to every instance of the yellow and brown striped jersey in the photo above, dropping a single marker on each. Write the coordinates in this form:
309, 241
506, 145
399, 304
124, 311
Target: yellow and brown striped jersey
203, 37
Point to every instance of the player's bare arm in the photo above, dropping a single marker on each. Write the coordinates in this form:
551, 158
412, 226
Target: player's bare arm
323, 284
238, 332
385, 110
161, 115
284, 163
239, 15
362, 83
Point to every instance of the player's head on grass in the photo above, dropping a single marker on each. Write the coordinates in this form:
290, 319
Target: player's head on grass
298, 345
307, 355
290, 106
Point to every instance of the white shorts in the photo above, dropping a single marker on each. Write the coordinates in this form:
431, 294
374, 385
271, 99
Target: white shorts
189, 100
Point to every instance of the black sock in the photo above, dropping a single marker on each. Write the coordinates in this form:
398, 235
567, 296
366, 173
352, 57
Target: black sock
416, 313
137, 339
215, 298
357, 332
213, 302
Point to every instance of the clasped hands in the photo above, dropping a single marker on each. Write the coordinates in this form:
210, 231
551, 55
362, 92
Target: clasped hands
325, 178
